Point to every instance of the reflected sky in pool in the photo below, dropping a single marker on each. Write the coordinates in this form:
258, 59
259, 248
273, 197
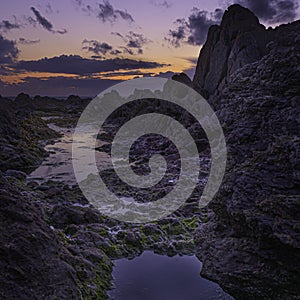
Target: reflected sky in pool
159, 277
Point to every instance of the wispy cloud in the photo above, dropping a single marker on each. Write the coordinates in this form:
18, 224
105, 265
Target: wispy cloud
104, 11
133, 41
107, 13
96, 47
6, 25
24, 41
162, 4
46, 24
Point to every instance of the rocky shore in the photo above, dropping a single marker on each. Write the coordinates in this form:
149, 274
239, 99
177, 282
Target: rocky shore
55, 245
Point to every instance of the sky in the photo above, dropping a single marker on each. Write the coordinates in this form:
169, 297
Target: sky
81, 47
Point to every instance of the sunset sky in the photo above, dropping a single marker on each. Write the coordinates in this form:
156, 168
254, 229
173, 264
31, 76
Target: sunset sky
81, 47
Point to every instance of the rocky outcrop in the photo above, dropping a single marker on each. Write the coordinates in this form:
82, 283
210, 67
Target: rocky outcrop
183, 78
239, 40
251, 244
21, 133
36, 261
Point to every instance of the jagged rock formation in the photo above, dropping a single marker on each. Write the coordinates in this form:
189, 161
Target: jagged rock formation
251, 243
183, 78
239, 40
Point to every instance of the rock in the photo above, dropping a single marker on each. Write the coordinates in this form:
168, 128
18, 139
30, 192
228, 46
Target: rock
251, 243
37, 260
17, 174
183, 78
239, 40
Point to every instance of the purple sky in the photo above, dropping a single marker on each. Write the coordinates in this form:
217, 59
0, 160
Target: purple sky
83, 46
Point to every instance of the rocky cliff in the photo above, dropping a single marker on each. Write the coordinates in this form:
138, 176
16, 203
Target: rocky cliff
239, 40
251, 243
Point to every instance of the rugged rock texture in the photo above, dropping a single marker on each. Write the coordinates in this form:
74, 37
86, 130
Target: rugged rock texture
21, 133
53, 243
239, 40
36, 261
251, 244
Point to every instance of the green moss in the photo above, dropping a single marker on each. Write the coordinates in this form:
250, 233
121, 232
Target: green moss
191, 223
94, 283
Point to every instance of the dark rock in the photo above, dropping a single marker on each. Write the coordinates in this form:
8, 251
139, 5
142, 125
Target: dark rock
251, 244
239, 40
17, 174
183, 78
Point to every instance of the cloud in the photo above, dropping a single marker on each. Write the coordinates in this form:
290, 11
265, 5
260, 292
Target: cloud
164, 4
75, 64
134, 41
58, 86
24, 41
96, 47
198, 24
44, 22
115, 52
176, 36
6, 25
107, 13
127, 50
193, 30
41, 20
272, 11
8, 51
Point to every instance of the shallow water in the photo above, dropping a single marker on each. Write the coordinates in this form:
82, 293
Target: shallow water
58, 165
159, 277
149, 276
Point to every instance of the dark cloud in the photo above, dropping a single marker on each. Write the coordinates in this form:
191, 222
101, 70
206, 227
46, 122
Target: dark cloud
44, 22
272, 11
58, 86
127, 50
164, 4
115, 52
24, 41
107, 13
198, 24
96, 47
41, 20
193, 30
6, 25
8, 51
176, 36
75, 64
134, 41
